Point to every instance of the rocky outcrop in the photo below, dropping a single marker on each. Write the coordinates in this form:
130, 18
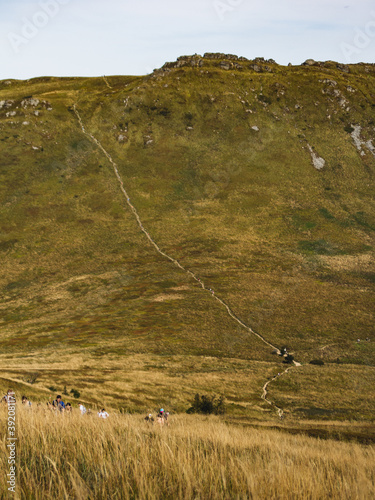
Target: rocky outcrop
6, 104
192, 61
30, 102
310, 62
327, 64
219, 55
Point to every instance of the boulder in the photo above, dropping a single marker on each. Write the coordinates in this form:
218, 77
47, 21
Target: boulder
225, 65
255, 67
30, 102
6, 104
309, 62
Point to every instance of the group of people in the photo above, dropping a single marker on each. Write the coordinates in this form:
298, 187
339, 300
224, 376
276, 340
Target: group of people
161, 417
59, 406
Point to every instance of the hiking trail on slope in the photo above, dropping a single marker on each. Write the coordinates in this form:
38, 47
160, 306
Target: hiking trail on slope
180, 266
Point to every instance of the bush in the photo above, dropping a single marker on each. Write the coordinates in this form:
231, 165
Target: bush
31, 378
318, 362
288, 359
208, 405
52, 388
76, 394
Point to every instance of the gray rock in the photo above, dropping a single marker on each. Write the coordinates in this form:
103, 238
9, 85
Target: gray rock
30, 102
6, 104
255, 67
225, 65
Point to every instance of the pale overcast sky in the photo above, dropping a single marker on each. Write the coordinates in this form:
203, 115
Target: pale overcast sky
112, 37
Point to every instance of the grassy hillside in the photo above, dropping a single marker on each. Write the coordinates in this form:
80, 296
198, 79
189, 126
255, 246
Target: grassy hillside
219, 156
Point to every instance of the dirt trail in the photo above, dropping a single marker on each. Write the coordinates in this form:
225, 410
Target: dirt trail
106, 82
280, 412
175, 262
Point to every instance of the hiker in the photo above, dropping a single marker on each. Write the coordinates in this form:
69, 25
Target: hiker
68, 408
103, 414
150, 419
162, 417
58, 404
166, 415
25, 401
82, 409
10, 396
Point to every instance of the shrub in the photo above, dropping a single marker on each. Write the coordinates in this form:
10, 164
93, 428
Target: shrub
318, 362
288, 359
76, 394
349, 129
208, 405
31, 378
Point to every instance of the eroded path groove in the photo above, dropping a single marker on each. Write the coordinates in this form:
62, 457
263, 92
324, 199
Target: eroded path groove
180, 266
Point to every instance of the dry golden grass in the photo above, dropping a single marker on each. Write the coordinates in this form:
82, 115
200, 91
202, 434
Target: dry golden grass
140, 382
69, 456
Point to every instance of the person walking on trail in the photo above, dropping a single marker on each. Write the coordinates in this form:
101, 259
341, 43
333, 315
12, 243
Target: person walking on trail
82, 409
59, 404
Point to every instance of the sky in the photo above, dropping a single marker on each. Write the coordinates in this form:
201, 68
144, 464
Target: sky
132, 37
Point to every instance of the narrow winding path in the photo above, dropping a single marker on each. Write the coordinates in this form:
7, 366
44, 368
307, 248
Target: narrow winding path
107, 82
180, 266
280, 412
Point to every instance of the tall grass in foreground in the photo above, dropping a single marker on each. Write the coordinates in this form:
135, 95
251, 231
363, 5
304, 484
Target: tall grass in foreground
75, 457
